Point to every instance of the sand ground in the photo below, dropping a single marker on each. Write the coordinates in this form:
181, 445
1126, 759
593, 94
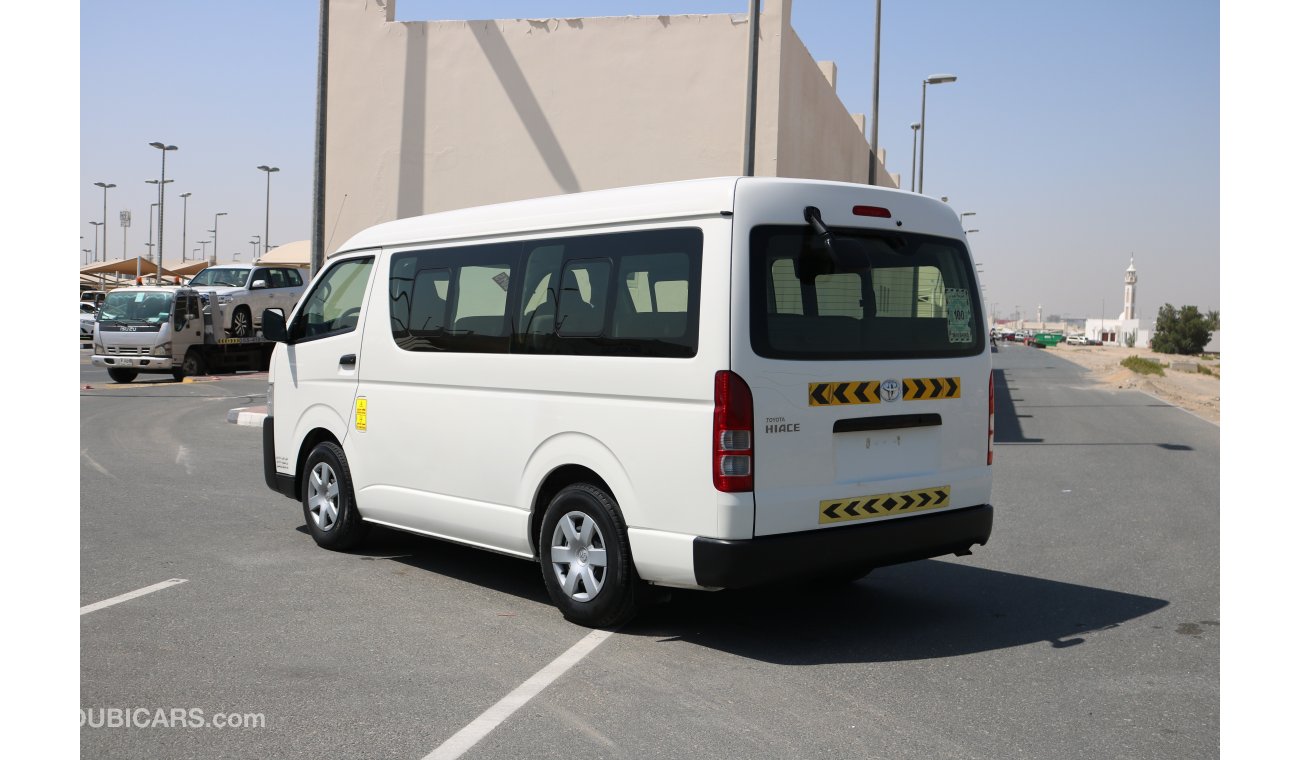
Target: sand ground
1197, 393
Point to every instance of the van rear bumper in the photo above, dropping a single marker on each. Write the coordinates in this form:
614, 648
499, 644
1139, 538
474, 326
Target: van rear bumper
728, 563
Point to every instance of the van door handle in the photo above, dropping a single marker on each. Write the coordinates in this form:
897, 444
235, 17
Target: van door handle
348, 360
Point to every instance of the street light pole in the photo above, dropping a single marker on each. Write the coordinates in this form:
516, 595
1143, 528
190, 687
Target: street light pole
150, 244
124, 217
185, 215
751, 94
932, 79
875, 106
204, 243
97, 225
266, 233
916, 125
962, 218
215, 219
161, 185
105, 217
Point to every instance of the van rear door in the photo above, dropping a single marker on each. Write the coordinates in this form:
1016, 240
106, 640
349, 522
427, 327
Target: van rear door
870, 387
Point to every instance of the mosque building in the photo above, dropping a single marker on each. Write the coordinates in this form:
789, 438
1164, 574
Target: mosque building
1126, 329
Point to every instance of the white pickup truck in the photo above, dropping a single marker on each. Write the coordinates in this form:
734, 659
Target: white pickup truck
243, 291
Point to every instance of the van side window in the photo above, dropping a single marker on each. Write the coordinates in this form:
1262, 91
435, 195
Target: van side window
620, 294
334, 305
293, 277
584, 294
452, 299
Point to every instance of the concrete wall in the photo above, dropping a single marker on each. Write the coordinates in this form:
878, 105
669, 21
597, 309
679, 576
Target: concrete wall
437, 115
818, 137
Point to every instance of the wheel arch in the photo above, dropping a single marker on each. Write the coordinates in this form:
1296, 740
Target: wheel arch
309, 442
569, 458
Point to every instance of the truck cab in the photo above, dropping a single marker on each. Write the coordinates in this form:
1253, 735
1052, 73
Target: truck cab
169, 330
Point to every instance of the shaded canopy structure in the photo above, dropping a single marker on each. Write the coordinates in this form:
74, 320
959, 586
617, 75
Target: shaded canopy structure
185, 268
295, 254
125, 267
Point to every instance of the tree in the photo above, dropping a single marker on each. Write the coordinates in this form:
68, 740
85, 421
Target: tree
1181, 331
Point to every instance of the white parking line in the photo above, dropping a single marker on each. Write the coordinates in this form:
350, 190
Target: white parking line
467, 737
131, 595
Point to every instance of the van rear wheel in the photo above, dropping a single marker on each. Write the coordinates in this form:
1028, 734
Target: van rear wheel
586, 558
328, 504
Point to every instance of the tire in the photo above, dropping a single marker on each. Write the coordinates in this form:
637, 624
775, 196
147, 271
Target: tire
194, 365
120, 375
328, 504
241, 323
580, 522
178, 375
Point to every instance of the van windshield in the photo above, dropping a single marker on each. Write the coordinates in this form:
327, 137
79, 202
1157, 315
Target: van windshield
220, 278
917, 299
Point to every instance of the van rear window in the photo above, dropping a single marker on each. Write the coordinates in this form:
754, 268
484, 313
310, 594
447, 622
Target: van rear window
911, 296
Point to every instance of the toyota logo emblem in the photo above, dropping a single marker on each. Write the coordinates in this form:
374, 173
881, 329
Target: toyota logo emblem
890, 390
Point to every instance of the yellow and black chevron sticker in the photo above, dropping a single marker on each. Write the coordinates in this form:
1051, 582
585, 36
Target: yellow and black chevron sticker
921, 389
853, 392
882, 505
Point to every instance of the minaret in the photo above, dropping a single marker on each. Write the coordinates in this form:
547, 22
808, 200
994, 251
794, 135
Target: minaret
1130, 290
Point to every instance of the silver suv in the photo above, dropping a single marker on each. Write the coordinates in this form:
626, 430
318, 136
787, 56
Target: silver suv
243, 291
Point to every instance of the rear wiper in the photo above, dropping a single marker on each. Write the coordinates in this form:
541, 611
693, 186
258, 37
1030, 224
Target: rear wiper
827, 254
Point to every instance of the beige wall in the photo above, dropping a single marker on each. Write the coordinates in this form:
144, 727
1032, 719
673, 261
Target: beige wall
430, 116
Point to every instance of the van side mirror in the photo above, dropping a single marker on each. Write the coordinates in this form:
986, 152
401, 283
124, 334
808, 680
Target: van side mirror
273, 327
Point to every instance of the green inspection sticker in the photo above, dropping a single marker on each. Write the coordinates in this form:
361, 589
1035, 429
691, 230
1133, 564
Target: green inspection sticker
957, 301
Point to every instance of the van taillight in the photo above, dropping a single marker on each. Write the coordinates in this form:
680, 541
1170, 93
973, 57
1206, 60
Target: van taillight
990, 418
733, 433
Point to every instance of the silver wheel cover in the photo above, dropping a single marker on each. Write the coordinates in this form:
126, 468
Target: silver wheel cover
578, 556
323, 496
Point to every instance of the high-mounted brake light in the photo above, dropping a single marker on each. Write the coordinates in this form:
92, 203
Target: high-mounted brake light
733, 433
876, 211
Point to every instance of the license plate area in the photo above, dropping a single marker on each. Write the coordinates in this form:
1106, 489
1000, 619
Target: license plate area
879, 454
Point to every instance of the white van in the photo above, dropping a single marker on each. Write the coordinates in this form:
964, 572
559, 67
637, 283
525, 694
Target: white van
706, 384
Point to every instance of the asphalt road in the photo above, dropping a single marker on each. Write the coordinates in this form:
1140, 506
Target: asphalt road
1088, 627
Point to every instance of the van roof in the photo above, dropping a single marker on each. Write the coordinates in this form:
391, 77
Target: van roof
666, 200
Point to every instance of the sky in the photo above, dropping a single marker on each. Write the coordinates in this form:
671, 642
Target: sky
1080, 134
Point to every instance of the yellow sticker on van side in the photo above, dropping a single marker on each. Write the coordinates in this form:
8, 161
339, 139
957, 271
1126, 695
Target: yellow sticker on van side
361, 414
882, 505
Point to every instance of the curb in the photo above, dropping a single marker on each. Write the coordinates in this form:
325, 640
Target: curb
251, 416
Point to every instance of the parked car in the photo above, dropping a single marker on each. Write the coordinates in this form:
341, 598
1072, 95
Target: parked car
87, 323
243, 292
1076, 340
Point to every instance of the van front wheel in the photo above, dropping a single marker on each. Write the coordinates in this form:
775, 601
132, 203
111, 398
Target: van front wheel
586, 559
328, 504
